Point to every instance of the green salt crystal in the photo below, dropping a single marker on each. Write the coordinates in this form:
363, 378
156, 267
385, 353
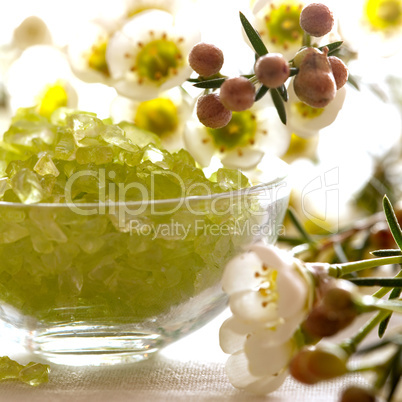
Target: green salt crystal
25, 133
48, 184
90, 244
70, 282
229, 179
44, 220
84, 126
138, 136
9, 369
99, 155
115, 135
34, 374
45, 166
65, 147
11, 232
4, 186
12, 214
26, 186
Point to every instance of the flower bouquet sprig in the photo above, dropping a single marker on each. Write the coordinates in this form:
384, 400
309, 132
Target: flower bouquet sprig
283, 309
230, 105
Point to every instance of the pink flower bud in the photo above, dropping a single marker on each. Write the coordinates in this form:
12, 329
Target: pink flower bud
211, 112
237, 94
272, 70
205, 59
316, 19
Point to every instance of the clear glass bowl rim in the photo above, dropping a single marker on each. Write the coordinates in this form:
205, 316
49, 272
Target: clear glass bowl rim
237, 193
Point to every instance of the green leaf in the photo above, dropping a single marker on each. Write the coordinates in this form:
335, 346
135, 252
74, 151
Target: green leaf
278, 103
293, 71
352, 81
386, 253
394, 306
384, 323
215, 83
383, 282
253, 36
332, 47
298, 225
283, 93
392, 221
262, 90
395, 374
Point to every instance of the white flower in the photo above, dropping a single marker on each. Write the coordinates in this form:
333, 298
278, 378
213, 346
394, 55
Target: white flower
51, 86
164, 116
306, 121
277, 21
128, 8
372, 24
31, 31
149, 54
243, 142
269, 296
87, 51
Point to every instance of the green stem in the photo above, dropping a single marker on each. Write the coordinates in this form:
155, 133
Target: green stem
350, 345
339, 270
306, 40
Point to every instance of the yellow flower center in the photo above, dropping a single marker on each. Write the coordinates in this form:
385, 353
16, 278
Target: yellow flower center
53, 97
240, 131
97, 58
282, 24
384, 14
159, 116
298, 146
158, 60
306, 111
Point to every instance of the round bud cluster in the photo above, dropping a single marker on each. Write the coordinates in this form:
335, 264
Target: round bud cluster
237, 94
335, 311
211, 113
316, 19
353, 394
205, 59
315, 83
314, 364
272, 70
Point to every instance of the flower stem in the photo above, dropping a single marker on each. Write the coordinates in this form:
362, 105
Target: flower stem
350, 345
306, 40
339, 270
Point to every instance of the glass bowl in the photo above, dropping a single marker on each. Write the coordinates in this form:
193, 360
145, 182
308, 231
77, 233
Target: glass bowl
92, 284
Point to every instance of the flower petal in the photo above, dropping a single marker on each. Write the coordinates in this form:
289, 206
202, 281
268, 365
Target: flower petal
244, 158
232, 335
240, 272
251, 306
199, 146
272, 256
280, 333
306, 127
293, 291
266, 360
240, 377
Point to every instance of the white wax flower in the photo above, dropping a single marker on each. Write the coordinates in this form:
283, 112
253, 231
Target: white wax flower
243, 142
372, 24
164, 116
87, 51
269, 295
149, 54
306, 121
51, 88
